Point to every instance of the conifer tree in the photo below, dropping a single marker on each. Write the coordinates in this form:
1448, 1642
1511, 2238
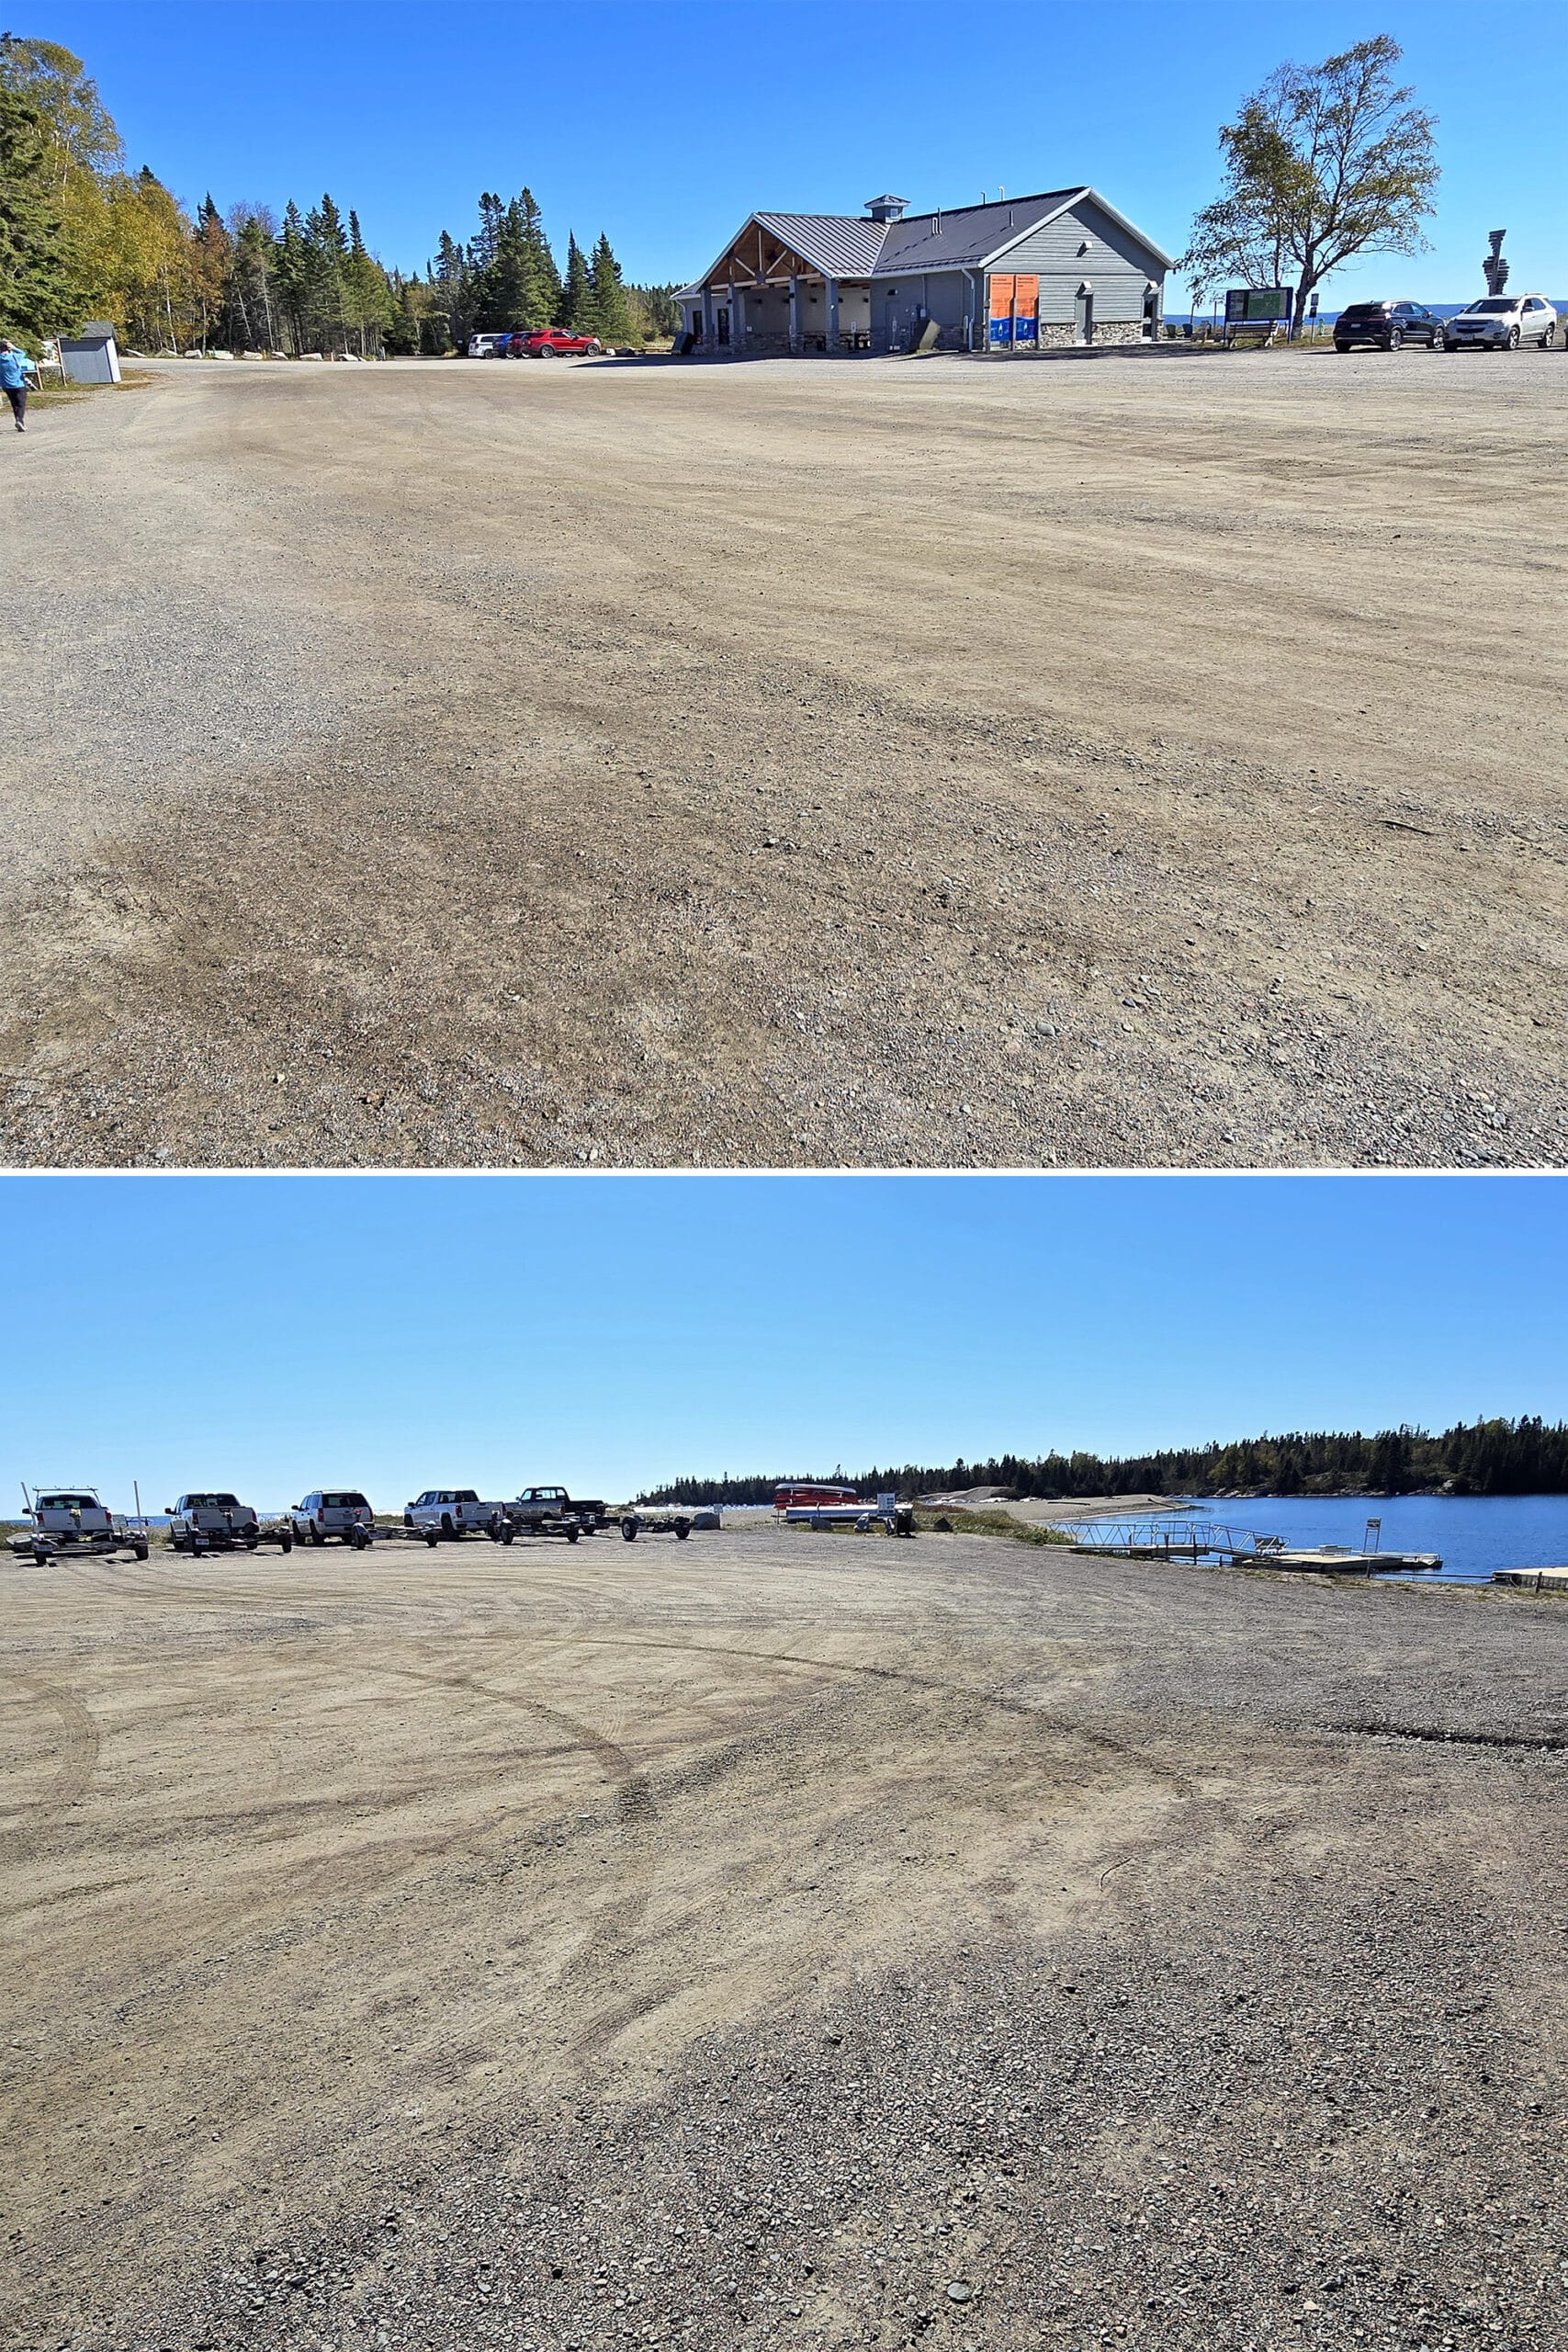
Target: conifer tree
368, 303
250, 295
290, 271
481, 251
326, 253
611, 312
508, 281
544, 289
578, 314
453, 290
211, 251
38, 293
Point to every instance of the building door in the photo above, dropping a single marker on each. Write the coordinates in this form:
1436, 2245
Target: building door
1083, 314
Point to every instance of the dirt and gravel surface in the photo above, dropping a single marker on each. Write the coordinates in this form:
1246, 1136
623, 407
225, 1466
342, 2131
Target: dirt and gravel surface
1141, 760
779, 1939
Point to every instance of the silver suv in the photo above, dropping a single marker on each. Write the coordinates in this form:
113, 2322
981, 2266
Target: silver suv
1501, 322
339, 1512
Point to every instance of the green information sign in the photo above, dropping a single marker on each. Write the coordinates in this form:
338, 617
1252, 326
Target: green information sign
1257, 305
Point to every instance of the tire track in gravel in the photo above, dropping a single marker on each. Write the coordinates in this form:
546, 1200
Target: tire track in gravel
81, 1741
1124, 1749
633, 1797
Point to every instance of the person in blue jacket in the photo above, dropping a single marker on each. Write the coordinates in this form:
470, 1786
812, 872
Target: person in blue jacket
14, 369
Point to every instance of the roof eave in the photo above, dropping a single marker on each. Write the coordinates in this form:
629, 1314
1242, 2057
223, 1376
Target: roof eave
699, 283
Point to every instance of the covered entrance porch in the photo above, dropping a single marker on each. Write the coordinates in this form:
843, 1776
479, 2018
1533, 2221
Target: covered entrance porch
764, 298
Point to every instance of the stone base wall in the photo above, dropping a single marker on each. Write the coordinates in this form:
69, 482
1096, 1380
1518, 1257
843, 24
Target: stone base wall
1110, 335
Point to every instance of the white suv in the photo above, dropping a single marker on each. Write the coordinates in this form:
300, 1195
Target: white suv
451, 1511
1501, 322
337, 1511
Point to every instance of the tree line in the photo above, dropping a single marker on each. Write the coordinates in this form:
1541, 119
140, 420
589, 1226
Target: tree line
1485, 1457
83, 236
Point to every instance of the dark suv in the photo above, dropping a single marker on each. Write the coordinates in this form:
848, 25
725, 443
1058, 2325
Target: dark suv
1386, 325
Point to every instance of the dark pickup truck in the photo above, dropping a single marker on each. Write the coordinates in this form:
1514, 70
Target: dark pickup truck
547, 1510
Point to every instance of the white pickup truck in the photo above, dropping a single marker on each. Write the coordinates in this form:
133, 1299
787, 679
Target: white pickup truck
221, 1522
72, 1521
445, 1514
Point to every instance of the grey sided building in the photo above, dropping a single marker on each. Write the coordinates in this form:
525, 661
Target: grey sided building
1026, 274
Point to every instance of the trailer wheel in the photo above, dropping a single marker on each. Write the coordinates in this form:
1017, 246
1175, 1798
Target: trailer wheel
286, 1542
682, 1529
628, 1529
140, 1550
572, 1533
507, 1531
430, 1537
361, 1541
251, 1542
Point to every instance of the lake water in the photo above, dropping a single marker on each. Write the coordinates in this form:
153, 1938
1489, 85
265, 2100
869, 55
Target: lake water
1473, 1534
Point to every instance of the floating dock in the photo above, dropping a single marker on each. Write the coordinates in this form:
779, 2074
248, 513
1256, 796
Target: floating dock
1532, 1579
1196, 1540
1340, 1560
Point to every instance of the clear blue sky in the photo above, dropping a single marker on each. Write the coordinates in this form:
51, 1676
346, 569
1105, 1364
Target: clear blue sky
667, 121
273, 1334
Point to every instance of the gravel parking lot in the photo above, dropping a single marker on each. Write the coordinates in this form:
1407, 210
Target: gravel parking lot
1142, 760
779, 1939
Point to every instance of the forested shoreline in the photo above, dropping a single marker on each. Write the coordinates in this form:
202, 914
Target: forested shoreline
82, 235
1528, 1456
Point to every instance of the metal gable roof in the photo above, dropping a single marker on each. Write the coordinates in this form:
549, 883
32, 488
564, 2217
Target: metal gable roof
969, 236
835, 242
964, 238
